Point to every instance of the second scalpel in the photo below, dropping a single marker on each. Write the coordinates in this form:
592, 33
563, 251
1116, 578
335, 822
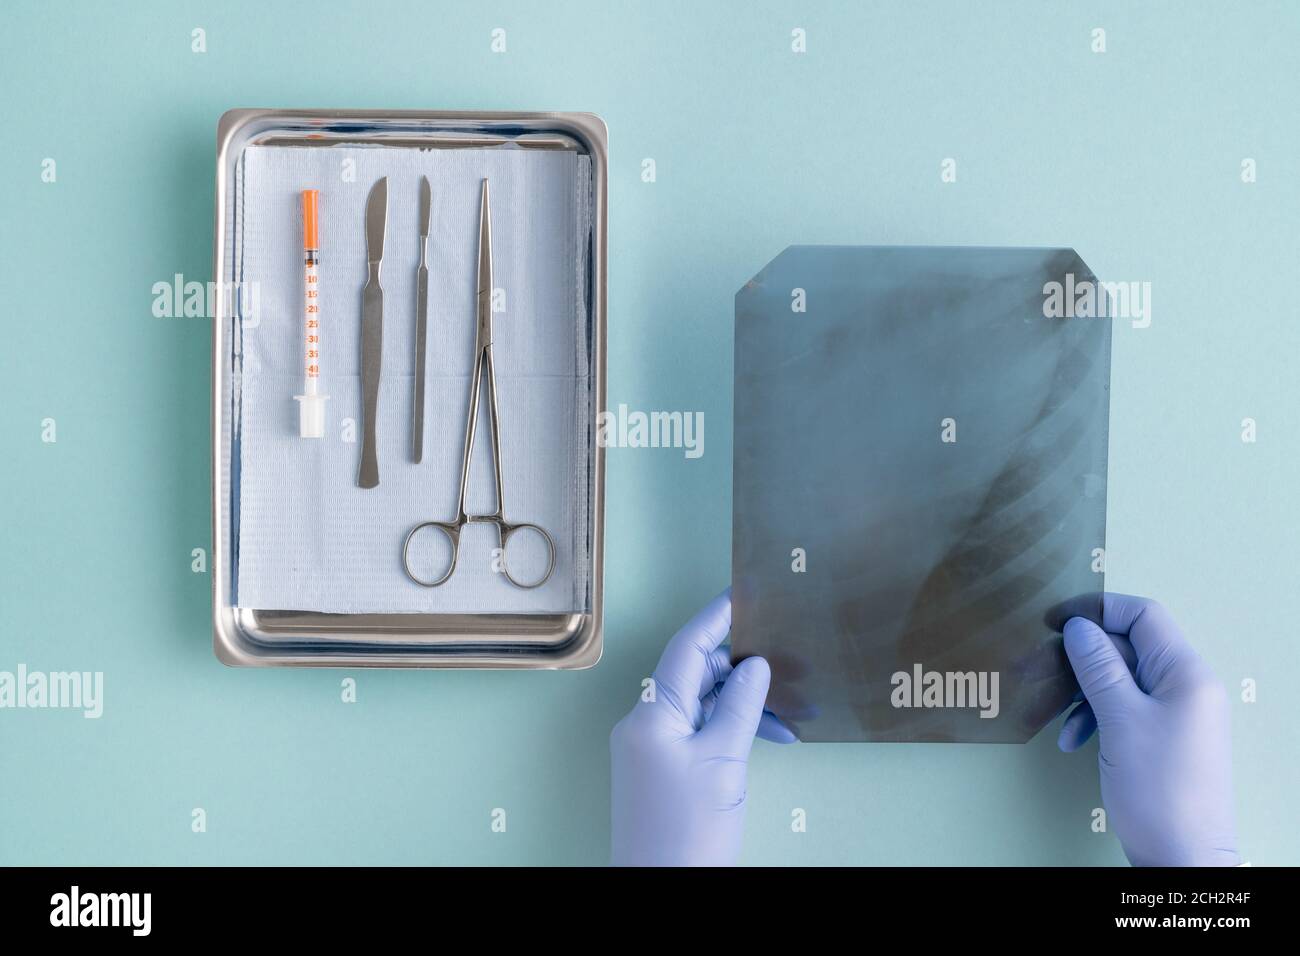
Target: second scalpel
372, 332
421, 320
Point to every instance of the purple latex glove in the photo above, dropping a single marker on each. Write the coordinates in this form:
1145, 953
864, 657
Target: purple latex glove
678, 762
1166, 750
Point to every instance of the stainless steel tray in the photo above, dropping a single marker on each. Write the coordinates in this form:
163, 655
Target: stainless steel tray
251, 637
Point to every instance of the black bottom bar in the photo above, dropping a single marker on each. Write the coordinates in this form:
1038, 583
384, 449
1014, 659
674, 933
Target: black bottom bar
214, 905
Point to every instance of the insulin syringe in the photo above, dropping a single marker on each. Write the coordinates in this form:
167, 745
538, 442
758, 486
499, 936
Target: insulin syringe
311, 404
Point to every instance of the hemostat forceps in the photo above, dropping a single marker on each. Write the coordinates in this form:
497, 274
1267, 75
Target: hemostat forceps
482, 358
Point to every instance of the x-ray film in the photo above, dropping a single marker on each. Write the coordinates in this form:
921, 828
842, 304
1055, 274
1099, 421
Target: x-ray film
919, 486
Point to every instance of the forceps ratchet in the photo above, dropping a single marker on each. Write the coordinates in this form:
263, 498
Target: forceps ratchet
482, 359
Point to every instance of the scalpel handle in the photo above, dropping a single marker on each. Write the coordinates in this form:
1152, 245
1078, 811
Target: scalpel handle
372, 350
421, 335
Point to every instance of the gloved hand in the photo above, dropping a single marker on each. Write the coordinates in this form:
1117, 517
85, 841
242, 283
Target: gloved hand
678, 762
1166, 761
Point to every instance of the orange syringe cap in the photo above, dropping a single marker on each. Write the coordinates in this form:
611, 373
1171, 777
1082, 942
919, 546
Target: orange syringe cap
310, 216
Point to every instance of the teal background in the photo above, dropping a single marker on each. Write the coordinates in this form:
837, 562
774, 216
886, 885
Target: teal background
1132, 157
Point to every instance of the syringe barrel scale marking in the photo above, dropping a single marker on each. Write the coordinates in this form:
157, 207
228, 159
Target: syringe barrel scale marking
311, 404
311, 312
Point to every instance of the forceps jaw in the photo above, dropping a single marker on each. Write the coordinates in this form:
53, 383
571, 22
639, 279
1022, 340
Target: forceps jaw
484, 300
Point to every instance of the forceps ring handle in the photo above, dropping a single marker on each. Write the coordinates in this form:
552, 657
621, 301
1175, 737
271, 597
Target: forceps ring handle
507, 532
452, 531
